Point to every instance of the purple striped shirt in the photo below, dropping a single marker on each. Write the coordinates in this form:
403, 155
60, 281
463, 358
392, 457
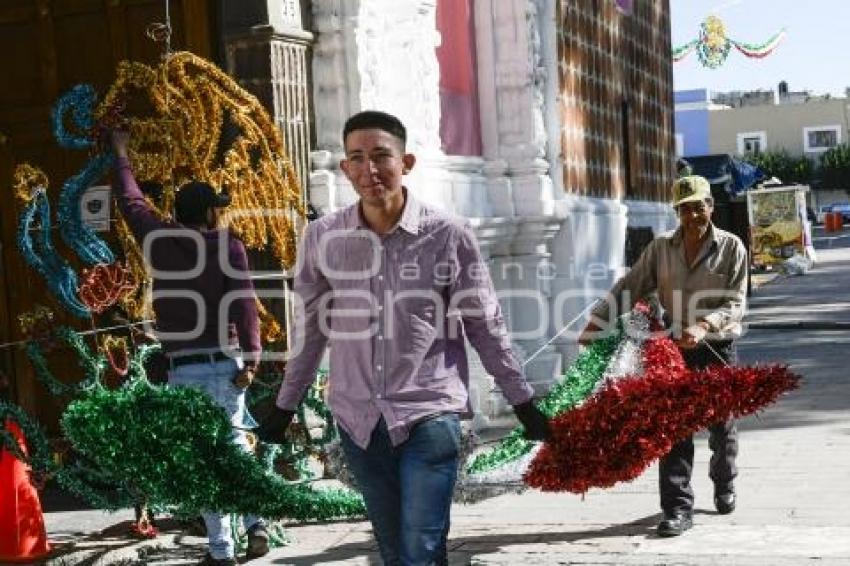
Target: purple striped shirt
395, 311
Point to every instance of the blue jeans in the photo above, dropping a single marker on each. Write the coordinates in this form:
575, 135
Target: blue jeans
408, 488
216, 380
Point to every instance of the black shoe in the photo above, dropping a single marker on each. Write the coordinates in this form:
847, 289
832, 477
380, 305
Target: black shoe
258, 541
195, 527
210, 561
725, 502
675, 524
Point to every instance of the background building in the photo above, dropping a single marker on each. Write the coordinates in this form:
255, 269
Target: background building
742, 124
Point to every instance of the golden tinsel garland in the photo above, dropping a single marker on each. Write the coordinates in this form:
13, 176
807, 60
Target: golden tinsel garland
137, 304
269, 326
190, 96
179, 141
26, 179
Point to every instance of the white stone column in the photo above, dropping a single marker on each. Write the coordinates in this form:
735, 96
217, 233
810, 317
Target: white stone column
336, 86
511, 78
516, 251
510, 84
588, 257
377, 55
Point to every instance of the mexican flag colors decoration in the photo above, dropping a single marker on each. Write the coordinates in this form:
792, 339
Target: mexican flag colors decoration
624, 403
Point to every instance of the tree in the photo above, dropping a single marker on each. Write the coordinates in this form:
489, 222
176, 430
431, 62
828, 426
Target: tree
785, 167
835, 167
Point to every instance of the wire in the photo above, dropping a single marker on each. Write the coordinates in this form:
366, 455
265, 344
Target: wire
713, 351
84, 332
561, 331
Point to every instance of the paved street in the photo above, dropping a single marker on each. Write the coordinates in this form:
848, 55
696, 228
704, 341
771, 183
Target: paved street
793, 488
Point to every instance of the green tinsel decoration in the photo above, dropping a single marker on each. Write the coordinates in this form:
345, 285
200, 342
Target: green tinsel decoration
572, 389
93, 366
298, 451
173, 445
39, 451
136, 367
97, 487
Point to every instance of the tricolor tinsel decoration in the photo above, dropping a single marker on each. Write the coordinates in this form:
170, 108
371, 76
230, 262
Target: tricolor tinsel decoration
624, 403
617, 433
576, 385
713, 45
757, 51
499, 470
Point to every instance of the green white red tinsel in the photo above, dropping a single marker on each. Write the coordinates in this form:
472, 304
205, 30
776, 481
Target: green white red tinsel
624, 403
617, 433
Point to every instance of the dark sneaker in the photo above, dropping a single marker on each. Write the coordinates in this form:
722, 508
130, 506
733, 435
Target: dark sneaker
725, 502
258, 541
195, 527
675, 524
210, 561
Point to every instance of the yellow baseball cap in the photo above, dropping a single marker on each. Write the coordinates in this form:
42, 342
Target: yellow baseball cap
692, 188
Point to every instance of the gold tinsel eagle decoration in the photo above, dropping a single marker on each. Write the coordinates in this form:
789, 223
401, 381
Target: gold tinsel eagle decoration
190, 120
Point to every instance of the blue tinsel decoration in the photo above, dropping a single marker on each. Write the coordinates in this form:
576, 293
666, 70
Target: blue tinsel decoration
40, 254
75, 233
79, 102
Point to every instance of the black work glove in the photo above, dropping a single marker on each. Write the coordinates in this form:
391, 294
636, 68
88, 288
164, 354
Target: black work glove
535, 423
273, 428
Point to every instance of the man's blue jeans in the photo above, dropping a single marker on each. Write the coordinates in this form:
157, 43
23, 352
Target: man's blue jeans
408, 488
216, 380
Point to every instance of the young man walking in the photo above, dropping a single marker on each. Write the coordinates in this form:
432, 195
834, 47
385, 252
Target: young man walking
395, 287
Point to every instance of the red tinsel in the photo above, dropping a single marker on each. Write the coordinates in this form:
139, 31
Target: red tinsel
104, 285
616, 434
143, 529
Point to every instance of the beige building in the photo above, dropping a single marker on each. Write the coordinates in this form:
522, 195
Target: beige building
800, 127
808, 128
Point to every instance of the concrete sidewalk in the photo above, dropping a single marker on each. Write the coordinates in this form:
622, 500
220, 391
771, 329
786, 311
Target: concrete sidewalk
793, 484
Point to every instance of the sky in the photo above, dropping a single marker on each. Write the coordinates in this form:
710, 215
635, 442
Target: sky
814, 56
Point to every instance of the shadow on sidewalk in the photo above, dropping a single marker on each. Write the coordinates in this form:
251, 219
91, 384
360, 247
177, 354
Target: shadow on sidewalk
118, 544
463, 548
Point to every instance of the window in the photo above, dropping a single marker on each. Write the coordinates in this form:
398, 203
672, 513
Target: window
752, 143
821, 138
680, 145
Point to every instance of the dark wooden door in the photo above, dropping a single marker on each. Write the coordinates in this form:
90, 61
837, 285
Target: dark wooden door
46, 47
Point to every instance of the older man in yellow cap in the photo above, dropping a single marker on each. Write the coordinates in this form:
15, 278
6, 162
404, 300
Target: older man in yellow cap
699, 273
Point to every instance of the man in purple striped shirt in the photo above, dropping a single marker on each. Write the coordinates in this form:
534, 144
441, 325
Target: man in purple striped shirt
395, 288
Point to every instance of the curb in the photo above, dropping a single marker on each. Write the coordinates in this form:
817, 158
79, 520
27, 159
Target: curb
798, 325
